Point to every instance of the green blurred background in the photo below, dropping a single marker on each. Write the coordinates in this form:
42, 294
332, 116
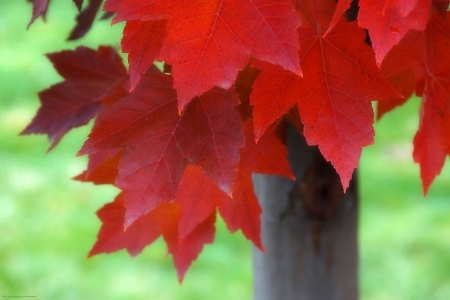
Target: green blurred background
49, 224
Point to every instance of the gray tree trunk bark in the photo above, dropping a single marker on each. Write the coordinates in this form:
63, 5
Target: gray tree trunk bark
309, 231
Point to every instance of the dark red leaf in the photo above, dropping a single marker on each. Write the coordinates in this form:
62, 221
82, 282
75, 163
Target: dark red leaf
89, 75
389, 21
78, 3
85, 19
405, 84
426, 54
39, 9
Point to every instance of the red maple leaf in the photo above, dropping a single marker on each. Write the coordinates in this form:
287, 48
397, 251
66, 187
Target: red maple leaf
143, 42
268, 156
159, 142
389, 21
334, 107
208, 43
423, 54
39, 10
85, 18
90, 77
78, 3
405, 84
163, 220
102, 167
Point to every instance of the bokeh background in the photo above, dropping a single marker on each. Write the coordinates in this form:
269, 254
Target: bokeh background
48, 221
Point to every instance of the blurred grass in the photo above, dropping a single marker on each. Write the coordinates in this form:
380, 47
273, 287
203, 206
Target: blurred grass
49, 224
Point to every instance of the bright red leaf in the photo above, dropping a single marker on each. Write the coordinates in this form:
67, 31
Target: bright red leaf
163, 220
207, 43
389, 21
143, 42
335, 109
424, 54
89, 77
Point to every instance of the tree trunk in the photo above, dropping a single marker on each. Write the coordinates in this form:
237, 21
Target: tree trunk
309, 231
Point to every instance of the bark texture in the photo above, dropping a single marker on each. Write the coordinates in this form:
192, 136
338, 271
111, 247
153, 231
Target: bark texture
309, 231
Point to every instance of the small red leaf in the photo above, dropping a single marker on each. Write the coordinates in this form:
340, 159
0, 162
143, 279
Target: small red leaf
102, 167
198, 197
432, 141
112, 237
39, 9
78, 3
404, 83
143, 42
426, 54
163, 220
341, 8
85, 19
185, 250
269, 156
389, 21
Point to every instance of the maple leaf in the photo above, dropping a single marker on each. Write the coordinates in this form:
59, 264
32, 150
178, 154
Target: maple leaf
389, 21
85, 18
102, 167
39, 9
159, 142
404, 83
112, 237
207, 43
199, 198
143, 42
90, 76
423, 53
335, 109
185, 250
268, 156
78, 3
163, 220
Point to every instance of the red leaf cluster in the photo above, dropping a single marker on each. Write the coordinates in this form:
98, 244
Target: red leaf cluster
181, 144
